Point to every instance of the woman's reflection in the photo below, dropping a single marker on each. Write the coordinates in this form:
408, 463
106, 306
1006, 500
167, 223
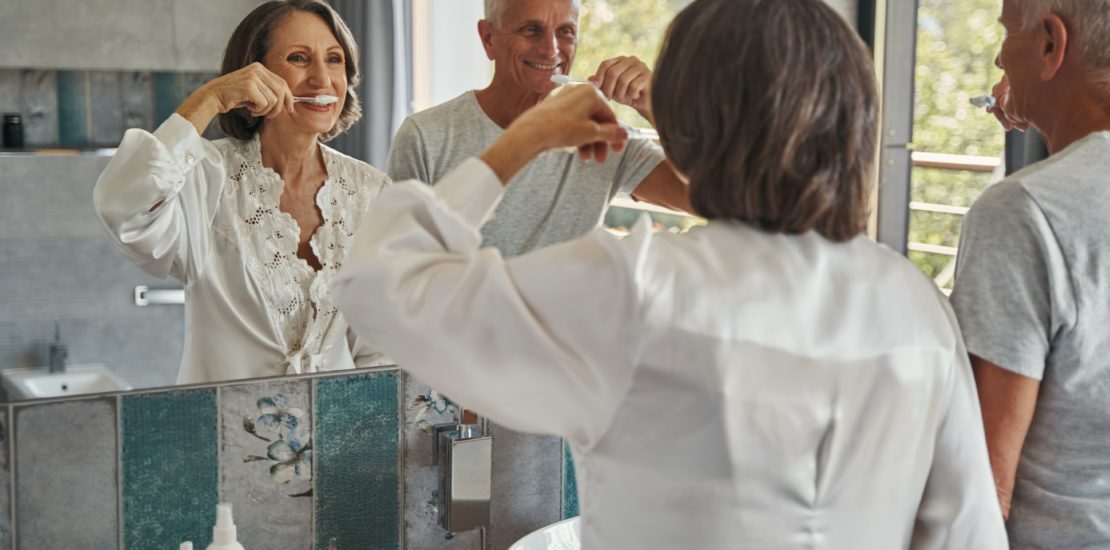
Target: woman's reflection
255, 225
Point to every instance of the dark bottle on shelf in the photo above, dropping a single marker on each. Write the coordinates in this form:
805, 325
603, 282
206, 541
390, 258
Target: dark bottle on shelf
13, 131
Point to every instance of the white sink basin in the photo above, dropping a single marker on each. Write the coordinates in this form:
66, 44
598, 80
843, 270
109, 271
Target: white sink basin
37, 383
563, 535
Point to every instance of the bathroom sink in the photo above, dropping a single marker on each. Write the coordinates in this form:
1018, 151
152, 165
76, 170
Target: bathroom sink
563, 535
37, 383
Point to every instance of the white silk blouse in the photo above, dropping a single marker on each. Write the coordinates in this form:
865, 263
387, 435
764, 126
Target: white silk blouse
727, 388
206, 213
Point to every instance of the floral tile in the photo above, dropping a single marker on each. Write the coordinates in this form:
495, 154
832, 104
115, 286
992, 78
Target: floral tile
66, 474
357, 478
138, 100
39, 105
170, 469
266, 462
423, 409
106, 104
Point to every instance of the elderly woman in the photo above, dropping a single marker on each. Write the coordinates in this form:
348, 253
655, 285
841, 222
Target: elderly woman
772, 380
255, 225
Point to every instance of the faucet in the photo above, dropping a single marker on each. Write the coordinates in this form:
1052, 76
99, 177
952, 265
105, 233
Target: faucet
58, 352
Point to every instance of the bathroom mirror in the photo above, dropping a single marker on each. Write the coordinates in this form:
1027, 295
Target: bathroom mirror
101, 66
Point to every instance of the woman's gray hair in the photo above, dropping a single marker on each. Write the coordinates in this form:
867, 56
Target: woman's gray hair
1088, 22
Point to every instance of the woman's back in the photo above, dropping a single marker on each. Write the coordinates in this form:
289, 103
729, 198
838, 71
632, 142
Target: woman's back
789, 391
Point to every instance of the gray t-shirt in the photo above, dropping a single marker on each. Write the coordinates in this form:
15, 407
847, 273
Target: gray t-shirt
556, 198
1032, 296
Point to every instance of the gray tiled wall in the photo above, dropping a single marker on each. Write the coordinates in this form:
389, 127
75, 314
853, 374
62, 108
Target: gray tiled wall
118, 34
58, 266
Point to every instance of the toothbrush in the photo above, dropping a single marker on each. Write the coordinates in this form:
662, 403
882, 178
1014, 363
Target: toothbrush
983, 101
562, 80
318, 100
633, 132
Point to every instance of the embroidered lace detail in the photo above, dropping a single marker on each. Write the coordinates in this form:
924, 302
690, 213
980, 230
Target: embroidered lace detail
297, 297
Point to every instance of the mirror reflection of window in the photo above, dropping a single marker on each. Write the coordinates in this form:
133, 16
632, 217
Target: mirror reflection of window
958, 148
609, 28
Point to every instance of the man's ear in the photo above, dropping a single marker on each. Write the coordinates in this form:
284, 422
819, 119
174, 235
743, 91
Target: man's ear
1054, 46
485, 32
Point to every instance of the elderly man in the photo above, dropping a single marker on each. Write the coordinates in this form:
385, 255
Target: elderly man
557, 197
1032, 287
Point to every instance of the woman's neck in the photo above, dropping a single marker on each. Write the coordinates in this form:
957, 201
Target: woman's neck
295, 157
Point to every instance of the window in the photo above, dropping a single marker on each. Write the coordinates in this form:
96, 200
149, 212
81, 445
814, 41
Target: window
957, 148
609, 28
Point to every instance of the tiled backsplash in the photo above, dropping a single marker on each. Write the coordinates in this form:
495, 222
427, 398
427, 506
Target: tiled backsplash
303, 461
91, 108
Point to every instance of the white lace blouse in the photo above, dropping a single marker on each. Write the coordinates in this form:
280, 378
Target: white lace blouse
207, 214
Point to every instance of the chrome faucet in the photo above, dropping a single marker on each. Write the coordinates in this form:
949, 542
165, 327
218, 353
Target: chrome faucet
58, 352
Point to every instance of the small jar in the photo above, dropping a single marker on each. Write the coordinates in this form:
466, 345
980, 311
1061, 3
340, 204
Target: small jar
13, 131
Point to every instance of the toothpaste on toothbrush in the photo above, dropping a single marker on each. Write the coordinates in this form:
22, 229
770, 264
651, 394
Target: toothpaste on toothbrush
983, 101
317, 100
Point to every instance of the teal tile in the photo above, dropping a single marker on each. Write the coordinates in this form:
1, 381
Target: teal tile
169, 92
73, 108
570, 484
357, 461
66, 474
170, 469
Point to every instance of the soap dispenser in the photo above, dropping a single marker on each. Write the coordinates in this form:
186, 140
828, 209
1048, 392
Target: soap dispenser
223, 534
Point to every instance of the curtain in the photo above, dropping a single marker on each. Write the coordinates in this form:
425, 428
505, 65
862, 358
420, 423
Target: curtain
381, 30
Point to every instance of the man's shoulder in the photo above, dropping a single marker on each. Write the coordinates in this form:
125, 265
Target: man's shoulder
444, 114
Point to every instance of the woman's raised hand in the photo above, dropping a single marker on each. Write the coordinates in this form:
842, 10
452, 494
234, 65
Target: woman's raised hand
578, 117
253, 87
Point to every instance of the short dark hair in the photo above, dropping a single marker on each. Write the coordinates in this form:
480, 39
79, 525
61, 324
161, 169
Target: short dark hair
251, 41
770, 109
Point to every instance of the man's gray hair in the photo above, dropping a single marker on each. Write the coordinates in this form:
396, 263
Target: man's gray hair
1088, 22
495, 9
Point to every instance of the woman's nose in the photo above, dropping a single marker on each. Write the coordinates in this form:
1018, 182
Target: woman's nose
998, 60
318, 74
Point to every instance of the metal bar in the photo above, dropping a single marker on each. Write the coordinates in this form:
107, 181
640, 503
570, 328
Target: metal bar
144, 296
938, 208
933, 249
944, 161
897, 54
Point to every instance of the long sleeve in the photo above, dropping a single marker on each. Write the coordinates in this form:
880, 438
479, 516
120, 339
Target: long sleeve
545, 342
158, 196
959, 508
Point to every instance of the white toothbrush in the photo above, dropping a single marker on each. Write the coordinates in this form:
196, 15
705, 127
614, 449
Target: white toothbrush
318, 100
562, 80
